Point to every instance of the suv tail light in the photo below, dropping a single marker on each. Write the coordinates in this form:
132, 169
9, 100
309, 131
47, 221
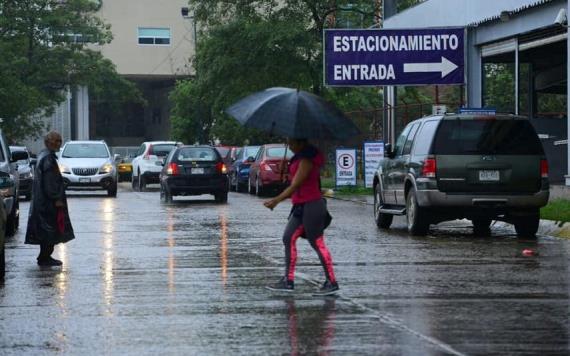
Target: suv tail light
429, 168
221, 168
173, 169
265, 167
543, 168
148, 153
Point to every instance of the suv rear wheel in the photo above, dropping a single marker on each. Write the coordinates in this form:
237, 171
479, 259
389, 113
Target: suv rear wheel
481, 227
13, 220
142, 183
383, 221
527, 226
418, 224
134, 183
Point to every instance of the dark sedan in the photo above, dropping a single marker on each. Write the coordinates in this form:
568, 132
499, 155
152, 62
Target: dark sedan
238, 172
194, 170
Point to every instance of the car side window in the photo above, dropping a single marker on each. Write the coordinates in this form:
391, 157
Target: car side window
410, 140
425, 137
402, 140
141, 150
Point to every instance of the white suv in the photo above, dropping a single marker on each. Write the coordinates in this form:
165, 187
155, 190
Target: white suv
88, 165
147, 163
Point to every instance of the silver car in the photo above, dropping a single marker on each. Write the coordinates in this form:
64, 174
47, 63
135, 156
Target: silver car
88, 165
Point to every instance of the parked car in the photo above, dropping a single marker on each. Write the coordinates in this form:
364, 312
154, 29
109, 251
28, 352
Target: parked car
238, 171
9, 187
123, 162
22, 159
462, 166
88, 165
147, 163
194, 170
2, 235
125, 169
265, 171
227, 153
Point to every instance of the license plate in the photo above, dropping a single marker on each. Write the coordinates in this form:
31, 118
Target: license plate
489, 176
84, 180
197, 171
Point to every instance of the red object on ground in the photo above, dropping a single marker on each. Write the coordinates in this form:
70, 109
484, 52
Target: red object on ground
529, 252
60, 220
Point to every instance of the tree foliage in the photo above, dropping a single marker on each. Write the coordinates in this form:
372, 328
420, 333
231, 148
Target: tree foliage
44, 51
248, 46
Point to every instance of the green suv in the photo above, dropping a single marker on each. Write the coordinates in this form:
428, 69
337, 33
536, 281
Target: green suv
460, 166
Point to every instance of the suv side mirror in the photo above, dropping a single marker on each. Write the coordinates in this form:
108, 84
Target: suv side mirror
388, 153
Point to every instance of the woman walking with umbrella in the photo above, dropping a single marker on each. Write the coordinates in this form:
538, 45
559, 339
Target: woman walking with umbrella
308, 216
299, 115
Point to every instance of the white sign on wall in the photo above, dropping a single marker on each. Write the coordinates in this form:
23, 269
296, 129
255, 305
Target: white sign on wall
373, 154
345, 166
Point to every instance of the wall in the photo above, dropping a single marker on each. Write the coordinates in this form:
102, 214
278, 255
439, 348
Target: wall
125, 16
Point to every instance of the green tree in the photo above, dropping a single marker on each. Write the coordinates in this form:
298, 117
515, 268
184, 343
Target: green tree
43, 46
404, 4
263, 45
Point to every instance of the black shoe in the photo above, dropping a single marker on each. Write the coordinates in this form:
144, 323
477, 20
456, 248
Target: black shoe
49, 262
328, 288
283, 285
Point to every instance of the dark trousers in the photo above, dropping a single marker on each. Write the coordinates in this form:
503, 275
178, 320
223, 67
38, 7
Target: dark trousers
45, 251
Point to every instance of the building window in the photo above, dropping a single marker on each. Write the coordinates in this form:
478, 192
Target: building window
154, 36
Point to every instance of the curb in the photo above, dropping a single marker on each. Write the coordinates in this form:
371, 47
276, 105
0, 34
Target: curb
559, 229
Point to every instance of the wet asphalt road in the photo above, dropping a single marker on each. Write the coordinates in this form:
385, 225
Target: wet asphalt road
188, 278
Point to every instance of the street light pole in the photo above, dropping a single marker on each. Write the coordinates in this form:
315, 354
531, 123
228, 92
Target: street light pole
186, 15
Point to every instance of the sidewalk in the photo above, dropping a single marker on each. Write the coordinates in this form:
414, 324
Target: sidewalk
559, 192
547, 227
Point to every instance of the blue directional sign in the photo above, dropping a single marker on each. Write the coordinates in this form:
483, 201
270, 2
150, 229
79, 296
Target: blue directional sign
394, 57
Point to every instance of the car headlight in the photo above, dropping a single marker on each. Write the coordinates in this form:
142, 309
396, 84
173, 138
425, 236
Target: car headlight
64, 169
106, 168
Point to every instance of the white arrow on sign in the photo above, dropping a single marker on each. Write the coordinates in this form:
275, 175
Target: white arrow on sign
445, 67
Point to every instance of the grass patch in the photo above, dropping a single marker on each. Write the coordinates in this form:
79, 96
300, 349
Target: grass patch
359, 189
557, 210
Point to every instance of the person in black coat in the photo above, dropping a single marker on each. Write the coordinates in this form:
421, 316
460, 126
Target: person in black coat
48, 220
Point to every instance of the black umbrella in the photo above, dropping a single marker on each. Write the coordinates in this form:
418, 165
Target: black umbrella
293, 113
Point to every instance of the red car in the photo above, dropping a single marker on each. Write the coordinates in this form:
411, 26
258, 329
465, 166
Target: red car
265, 172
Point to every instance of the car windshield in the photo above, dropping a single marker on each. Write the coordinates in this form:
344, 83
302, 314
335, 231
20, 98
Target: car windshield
278, 152
85, 150
161, 150
489, 136
197, 154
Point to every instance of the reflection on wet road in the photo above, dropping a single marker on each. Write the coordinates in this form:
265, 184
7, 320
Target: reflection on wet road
189, 277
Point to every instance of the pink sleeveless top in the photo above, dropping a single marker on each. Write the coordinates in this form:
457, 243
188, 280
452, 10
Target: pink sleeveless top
310, 190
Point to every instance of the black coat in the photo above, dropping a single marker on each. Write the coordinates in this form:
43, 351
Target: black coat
46, 190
